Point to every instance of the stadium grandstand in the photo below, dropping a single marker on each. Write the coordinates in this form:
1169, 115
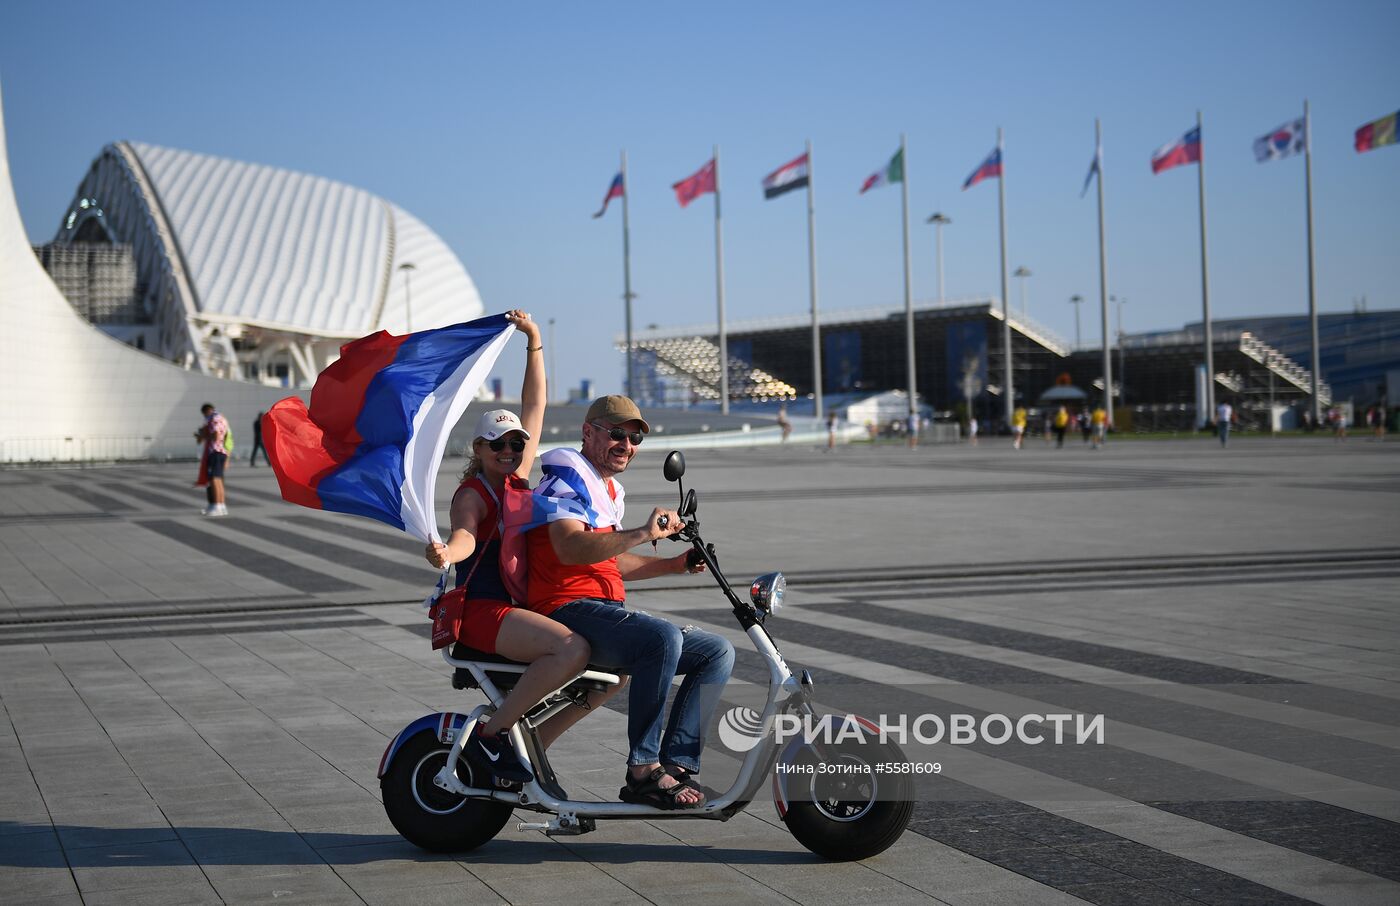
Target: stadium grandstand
1261, 364
242, 271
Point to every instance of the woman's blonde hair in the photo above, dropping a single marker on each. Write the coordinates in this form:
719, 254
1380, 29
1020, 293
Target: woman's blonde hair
473, 468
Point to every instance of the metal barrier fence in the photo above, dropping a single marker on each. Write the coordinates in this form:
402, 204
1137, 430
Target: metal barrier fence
22, 450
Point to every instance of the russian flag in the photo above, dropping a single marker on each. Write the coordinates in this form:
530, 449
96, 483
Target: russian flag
373, 439
1185, 150
616, 190
989, 168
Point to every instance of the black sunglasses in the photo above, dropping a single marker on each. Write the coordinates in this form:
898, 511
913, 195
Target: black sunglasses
499, 444
635, 437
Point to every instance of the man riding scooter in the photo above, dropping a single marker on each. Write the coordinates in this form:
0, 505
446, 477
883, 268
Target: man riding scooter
577, 569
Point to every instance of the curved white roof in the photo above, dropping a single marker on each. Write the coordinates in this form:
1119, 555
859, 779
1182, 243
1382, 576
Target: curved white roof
290, 251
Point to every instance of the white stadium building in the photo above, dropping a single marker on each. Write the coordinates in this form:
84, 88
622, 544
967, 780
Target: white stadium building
248, 272
239, 282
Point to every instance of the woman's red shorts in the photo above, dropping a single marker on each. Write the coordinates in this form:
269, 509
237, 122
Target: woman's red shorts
481, 623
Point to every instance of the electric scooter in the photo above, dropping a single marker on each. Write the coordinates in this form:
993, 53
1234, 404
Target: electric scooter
843, 800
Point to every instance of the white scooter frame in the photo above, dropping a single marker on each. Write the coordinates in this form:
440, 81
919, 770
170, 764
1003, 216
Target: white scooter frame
847, 818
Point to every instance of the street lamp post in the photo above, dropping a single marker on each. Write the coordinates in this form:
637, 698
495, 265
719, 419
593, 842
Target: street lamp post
939, 220
1023, 272
407, 268
1075, 300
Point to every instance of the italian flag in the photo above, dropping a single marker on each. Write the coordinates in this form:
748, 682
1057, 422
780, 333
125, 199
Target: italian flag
892, 173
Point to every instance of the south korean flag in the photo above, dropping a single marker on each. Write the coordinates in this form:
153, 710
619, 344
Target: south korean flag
1285, 141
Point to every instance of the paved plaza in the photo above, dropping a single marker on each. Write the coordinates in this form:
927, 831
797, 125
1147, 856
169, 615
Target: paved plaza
194, 709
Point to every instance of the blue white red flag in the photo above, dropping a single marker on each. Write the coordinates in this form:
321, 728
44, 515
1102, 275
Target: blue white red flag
570, 489
372, 440
988, 169
1185, 150
1285, 141
616, 190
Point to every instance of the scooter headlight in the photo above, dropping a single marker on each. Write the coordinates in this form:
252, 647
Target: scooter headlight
767, 592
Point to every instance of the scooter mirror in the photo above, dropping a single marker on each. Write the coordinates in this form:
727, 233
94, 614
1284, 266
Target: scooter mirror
674, 466
689, 504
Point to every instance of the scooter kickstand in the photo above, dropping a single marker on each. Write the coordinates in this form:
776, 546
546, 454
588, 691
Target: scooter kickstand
566, 825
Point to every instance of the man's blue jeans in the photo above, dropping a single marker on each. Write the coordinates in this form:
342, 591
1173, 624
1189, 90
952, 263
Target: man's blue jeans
653, 651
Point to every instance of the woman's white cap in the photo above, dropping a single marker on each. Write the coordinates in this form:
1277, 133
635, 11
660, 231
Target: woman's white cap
493, 424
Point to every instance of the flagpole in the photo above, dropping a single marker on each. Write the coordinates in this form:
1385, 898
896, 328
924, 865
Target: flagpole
1103, 278
1010, 394
1209, 414
812, 281
1312, 272
908, 295
719, 297
627, 281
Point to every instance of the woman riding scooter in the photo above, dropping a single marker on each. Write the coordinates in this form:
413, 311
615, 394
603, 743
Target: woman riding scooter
504, 446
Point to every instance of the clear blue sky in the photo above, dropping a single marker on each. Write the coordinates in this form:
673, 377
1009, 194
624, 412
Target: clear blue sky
499, 125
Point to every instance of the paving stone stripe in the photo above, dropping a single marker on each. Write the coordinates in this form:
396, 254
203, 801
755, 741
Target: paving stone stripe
1267, 687
1124, 660
1108, 768
161, 607
329, 552
99, 501
247, 755
247, 558
50, 637
1045, 847
151, 499
1093, 864
1131, 565
233, 485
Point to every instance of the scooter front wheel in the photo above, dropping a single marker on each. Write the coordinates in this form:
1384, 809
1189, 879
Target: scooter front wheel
429, 816
841, 808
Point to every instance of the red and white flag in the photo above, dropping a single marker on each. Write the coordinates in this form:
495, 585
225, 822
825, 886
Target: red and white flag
1185, 150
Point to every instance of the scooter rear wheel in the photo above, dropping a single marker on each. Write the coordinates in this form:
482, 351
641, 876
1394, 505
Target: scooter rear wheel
429, 816
850, 812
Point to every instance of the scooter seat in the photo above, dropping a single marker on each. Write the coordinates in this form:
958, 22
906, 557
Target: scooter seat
465, 653
505, 680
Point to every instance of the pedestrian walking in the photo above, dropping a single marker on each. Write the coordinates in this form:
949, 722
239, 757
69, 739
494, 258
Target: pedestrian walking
783, 422
257, 442
1061, 425
1224, 414
213, 436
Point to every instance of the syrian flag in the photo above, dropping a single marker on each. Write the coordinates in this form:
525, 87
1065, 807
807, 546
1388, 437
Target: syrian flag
372, 440
697, 184
1185, 150
1095, 167
893, 173
791, 175
616, 190
988, 169
1285, 141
